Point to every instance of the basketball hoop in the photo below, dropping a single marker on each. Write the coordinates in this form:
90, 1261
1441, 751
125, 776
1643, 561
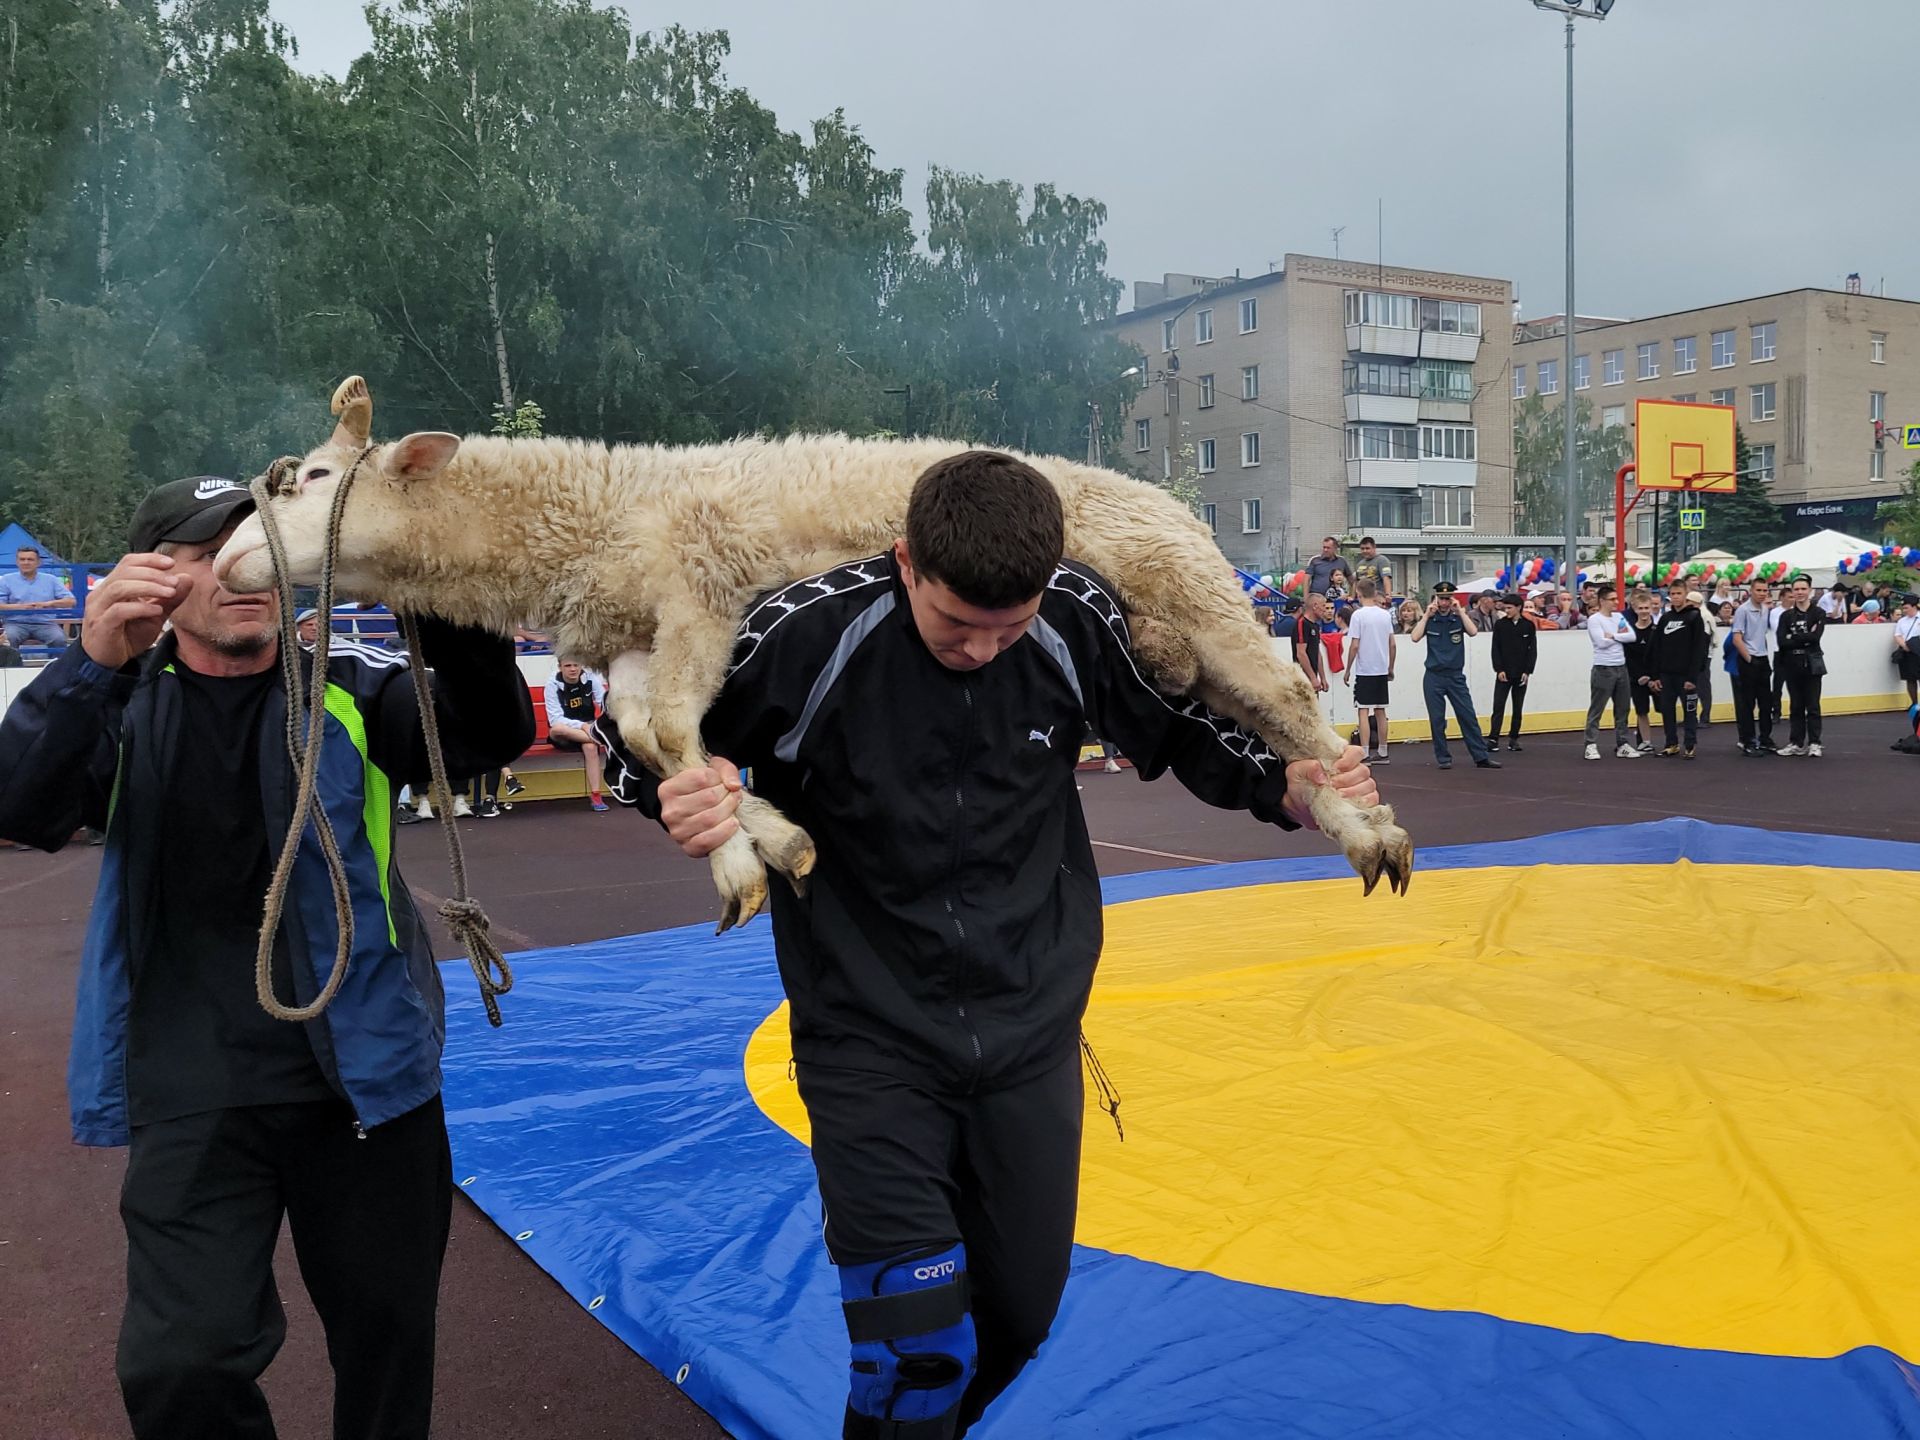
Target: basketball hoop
1677, 445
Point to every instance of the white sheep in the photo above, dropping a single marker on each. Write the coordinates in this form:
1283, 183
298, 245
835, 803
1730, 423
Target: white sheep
643, 559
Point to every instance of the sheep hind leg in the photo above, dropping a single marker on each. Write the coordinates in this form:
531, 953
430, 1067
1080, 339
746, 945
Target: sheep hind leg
672, 734
1246, 681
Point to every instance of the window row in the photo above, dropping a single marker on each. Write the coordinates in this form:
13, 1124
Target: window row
1762, 342
1207, 453
1249, 516
1249, 386
1203, 324
1447, 380
1411, 442
1409, 312
1433, 505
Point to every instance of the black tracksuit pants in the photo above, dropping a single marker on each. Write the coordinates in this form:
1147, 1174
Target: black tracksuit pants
1803, 691
203, 1200
1753, 700
1503, 691
905, 1168
1674, 694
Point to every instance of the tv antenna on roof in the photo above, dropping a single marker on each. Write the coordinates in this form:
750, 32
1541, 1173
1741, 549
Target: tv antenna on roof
1336, 240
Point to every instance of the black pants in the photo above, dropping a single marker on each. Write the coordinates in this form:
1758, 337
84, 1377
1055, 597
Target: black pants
907, 1169
202, 1202
1803, 689
1753, 701
1674, 693
1502, 689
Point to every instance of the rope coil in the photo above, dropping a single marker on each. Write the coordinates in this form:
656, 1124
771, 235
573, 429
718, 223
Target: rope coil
463, 915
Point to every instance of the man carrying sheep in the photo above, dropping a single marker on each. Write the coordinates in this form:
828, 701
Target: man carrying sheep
920, 713
175, 744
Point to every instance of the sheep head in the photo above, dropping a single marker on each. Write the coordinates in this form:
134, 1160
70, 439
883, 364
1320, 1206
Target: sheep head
377, 514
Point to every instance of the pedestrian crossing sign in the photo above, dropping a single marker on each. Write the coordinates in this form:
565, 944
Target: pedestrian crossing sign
1910, 436
1693, 519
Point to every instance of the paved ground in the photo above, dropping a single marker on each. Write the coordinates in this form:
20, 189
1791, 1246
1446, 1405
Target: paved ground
517, 1357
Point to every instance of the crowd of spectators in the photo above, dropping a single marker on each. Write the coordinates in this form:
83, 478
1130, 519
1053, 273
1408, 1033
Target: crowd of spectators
1655, 653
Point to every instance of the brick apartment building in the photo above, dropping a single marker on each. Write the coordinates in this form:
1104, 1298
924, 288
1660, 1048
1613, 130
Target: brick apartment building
1808, 372
1334, 397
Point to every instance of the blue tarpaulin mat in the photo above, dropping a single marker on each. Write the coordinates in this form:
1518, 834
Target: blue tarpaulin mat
1610, 1134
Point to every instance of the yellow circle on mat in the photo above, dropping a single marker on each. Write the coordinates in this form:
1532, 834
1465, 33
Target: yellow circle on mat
1670, 1103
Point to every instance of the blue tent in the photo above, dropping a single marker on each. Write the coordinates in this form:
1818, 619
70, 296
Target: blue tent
15, 538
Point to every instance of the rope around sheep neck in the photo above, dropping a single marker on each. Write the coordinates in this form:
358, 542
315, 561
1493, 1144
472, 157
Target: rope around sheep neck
462, 913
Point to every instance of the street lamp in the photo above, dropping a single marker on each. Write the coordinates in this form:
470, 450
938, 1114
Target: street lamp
1094, 456
1582, 10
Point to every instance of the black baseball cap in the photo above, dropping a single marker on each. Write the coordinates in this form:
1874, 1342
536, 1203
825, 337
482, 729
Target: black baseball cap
189, 511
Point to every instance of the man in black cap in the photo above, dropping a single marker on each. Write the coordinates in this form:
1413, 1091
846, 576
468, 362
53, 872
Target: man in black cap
1444, 627
165, 726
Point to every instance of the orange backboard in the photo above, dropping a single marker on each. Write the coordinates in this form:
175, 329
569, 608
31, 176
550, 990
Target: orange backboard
1676, 443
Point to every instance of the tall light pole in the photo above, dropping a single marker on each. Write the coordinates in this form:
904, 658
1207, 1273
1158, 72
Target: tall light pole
1583, 10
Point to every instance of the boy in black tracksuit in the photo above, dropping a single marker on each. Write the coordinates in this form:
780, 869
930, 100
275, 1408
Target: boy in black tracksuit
1801, 665
1679, 653
1641, 671
920, 713
1516, 646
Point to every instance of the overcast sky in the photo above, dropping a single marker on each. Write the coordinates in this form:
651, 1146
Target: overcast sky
1725, 147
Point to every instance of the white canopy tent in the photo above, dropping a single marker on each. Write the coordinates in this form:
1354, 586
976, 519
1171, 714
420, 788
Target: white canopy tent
1818, 554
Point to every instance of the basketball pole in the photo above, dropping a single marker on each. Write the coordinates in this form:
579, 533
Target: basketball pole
1572, 568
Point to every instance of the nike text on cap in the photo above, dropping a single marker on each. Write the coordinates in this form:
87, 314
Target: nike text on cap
188, 511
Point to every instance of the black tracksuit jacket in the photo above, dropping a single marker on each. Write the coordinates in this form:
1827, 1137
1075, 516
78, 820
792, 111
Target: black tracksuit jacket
1516, 648
1680, 643
950, 929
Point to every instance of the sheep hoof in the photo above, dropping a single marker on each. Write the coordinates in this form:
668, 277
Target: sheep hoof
1383, 849
794, 857
743, 906
1396, 859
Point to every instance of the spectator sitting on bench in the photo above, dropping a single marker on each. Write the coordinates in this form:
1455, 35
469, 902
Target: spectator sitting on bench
28, 589
575, 697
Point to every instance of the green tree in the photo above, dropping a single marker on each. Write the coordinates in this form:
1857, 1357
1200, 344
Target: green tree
1539, 464
506, 205
997, 320
1899, 520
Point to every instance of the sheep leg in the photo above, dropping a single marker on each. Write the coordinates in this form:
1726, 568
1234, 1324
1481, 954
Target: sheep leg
673, 734
1238, 674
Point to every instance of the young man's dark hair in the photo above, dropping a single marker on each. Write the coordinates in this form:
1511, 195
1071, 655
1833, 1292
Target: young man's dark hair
924, 731
1601, 591
175, 744
987, 526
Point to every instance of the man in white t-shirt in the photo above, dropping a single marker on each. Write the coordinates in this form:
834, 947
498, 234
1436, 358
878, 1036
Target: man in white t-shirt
1905, 631
1609, 682
1370, 656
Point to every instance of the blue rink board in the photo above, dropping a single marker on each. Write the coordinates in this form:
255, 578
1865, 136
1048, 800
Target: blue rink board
609, 1125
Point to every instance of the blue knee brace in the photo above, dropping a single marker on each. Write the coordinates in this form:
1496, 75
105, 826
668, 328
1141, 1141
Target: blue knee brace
912, 1334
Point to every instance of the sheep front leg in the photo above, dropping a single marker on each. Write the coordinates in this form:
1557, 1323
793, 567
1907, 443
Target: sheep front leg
1239, 675
671, 729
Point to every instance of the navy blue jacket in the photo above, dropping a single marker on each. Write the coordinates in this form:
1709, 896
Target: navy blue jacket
86, 745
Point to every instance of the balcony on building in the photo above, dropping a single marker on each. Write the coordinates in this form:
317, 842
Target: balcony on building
1382, 324
1449, 330
1449, 457
1385, 456
1382, 391
1446, 391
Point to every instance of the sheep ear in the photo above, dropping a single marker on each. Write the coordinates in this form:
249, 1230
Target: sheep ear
421, 455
